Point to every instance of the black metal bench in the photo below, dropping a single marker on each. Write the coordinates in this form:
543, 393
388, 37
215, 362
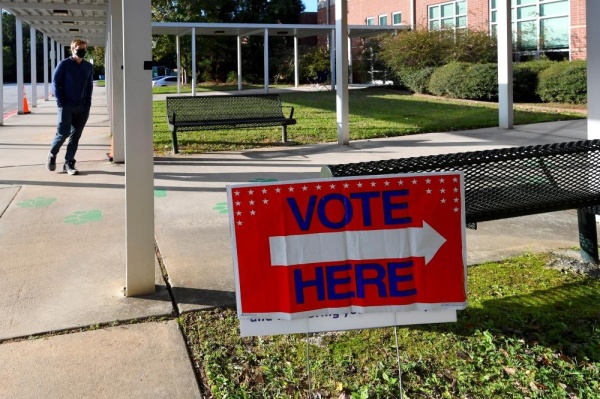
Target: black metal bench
185, 113
511, 182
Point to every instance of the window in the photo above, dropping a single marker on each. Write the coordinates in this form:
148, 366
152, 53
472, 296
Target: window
383, 20
370, 21
396, 18
450, 15
537, 25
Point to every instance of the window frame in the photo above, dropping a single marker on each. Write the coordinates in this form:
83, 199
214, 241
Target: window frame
536, 19
372, 19
380, 16
399, 13
455, 16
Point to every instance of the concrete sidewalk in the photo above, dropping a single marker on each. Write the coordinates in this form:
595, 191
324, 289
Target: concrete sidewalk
63, 263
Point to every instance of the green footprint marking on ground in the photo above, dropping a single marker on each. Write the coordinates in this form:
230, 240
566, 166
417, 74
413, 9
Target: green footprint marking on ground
262, 180
160, 193
82, 217
221, 207
38, 202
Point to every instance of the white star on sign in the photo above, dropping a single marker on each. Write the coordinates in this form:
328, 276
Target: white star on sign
277, 190
455, 180
346, 185
442, 190
373, 184
239, 223
455, 189
252, 212
291, 189
359, 185
428, 181
251, 202
239, 213
318, 186
264, 190
304, 188
237, 193
332, 186
238, 203
443, 201
251, 192
414, 181
442, 180
401, 182
387, 183
455, 209
265, 201
428, 191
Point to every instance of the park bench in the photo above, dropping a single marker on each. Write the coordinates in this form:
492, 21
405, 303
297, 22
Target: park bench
186, 113
511, 182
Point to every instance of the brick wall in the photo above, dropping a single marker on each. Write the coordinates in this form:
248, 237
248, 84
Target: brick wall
478, 15
578, 27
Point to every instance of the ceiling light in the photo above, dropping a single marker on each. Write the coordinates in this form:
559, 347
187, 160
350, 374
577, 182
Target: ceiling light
62, 13
219, 31
282, 32
68, 22
73, 30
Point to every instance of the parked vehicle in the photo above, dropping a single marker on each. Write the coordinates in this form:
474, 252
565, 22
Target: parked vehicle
160, 81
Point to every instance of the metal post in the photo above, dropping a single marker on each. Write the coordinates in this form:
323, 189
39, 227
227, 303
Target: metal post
32, 46
266, 60
193, 61
19, 38
296, 73
239, 63
505, 78
46, 91
593, 66
341, 66
588, 236
139, 151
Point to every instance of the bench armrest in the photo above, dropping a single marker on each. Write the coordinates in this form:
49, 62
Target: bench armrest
291, 110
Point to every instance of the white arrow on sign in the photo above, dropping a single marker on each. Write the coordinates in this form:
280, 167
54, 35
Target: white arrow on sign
355, 245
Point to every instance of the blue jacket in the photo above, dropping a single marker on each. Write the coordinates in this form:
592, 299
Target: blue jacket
72, 83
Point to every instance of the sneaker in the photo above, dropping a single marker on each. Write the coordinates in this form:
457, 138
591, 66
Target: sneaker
51, 163
69, 167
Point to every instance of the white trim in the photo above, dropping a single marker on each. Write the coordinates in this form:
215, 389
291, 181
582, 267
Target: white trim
394, 14
370, 19
379, 19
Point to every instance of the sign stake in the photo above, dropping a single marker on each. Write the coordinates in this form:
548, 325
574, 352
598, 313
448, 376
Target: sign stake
398, 361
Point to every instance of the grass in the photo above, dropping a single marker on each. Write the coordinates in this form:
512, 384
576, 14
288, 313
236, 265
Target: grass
374, 113
528, 332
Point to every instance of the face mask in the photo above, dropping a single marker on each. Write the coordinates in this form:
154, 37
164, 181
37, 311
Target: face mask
80, 53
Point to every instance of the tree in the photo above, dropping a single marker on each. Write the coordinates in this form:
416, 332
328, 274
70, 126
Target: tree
217, 58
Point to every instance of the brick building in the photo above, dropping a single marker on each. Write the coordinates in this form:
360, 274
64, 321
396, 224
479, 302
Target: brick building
555, 28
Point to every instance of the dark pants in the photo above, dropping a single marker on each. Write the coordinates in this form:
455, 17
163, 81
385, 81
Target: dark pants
71, 121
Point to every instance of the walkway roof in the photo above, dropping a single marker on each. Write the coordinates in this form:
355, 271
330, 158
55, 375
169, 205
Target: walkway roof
87, 19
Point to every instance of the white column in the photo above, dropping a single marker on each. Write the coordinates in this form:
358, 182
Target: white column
19, 39
349, 60
178, 55
139, 151
117, 99
32, 46
1, 74
239, 63
194, 61
46, 91
52, 62
341, 66
266, 60
332, 58
296, 73
505, 70
593, 66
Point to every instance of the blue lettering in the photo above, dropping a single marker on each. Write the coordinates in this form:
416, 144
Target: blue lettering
389, 207
366, 206
318, 283
394, 278
347, 210
303, 222
332, 282
361, 281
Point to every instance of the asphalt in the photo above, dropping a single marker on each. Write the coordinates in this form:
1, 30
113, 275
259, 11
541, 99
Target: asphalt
63, 249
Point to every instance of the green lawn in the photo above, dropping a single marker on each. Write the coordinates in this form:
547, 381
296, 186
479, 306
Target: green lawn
374, 113
528, 332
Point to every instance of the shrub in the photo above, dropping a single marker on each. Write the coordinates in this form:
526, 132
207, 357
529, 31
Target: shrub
564, 82
449, 79
422, 48
480, 82
416, 79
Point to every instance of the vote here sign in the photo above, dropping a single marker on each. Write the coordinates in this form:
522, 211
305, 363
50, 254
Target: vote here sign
372, 244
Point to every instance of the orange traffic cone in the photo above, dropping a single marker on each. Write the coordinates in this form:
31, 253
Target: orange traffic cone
25, 106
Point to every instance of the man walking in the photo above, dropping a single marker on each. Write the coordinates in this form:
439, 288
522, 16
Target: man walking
72, 83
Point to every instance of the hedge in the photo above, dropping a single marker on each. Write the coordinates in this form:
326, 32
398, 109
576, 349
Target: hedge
564, 82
